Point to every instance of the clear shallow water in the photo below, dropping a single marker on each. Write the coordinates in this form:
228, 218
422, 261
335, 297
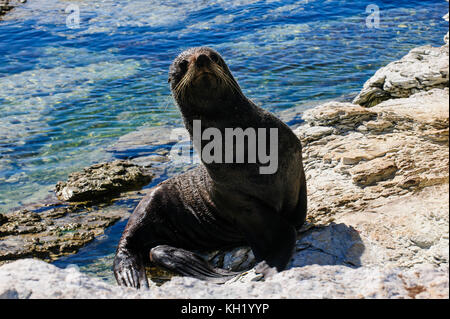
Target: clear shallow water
67, 94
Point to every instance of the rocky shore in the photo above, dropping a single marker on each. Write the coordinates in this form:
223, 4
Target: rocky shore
84, 212
36, 279
8, 5
378, 217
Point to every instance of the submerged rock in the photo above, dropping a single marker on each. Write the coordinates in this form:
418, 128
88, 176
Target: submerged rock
54, 232
102, 180
49, 231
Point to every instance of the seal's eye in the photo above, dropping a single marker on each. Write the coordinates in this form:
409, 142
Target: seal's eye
214, 57
183, 66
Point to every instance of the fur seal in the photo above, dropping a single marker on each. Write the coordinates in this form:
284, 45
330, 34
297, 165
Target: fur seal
217, 204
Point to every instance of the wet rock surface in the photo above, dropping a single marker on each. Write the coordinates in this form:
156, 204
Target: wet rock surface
55, 229
102, 180
58, 231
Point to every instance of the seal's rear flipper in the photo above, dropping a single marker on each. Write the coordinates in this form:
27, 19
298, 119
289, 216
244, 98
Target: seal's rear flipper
187, 263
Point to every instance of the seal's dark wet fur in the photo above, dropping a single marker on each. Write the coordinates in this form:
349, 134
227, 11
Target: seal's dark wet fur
217, 205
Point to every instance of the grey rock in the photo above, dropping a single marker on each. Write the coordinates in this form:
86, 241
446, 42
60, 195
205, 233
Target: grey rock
312, 133
9, 294
423, 68
102, 180
334, 244
36, 279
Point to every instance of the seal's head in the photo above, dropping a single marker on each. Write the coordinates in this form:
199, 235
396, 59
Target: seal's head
199, 75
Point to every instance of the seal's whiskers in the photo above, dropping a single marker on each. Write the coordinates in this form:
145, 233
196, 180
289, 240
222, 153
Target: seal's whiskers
224, 77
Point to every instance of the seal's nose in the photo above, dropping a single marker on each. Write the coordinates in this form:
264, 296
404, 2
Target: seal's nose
202, 60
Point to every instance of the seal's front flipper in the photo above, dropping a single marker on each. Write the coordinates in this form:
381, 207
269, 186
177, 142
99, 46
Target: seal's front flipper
187, 263
271, 237
129, 271
265, 270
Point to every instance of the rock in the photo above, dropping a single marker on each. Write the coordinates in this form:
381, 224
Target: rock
342, 116
370, 172
423, 68
4, 7
403, 231
7, 5
36, 279
102, 181
388, 182
415, 142
313, 133
420, 112
54, 232
334, 244
49, 231
378, 126
3, 219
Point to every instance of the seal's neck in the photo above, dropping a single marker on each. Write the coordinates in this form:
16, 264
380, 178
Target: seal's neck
211, 113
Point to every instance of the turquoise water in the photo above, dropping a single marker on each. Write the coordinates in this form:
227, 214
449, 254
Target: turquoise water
67, 94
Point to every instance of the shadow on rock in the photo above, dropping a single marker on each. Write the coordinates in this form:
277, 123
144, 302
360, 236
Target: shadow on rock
334, 244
